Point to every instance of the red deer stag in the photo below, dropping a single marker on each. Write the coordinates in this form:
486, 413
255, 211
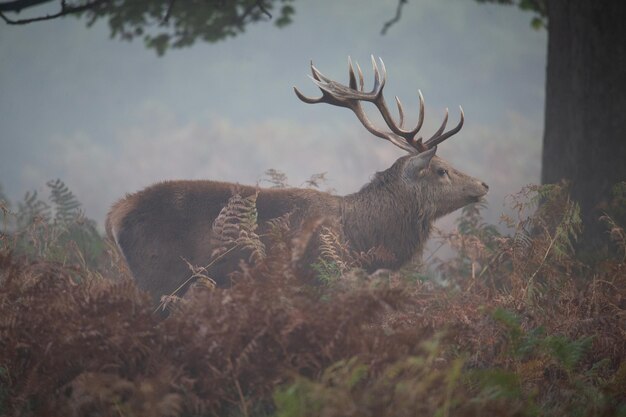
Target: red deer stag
158, 227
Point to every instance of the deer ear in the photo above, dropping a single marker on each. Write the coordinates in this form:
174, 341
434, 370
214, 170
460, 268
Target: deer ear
418, 162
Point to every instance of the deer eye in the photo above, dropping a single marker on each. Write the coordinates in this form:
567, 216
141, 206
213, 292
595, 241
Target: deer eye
442, 172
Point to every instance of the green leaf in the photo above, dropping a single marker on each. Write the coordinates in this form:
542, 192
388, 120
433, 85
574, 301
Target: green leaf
567, 352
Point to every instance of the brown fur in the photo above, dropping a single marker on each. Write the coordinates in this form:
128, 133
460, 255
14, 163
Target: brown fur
159, 226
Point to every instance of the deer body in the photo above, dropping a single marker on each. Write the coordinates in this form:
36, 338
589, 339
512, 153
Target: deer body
166, 225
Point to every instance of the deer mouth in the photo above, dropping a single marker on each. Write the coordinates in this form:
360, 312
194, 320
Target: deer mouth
479, 197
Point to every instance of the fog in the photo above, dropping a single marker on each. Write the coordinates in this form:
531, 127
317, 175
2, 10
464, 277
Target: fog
110, 117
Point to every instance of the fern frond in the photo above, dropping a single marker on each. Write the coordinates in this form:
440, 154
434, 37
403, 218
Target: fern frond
32, 209
568, 230
236, 225
316, 180
333, 250
374, 255
522, 244
617, 234
66, 205
276, 178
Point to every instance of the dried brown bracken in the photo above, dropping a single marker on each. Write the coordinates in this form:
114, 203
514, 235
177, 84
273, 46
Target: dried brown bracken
522, 326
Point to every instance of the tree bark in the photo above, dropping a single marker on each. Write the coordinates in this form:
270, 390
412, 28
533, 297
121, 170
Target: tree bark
585, 115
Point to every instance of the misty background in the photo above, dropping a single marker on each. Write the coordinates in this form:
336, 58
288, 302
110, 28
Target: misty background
110, 117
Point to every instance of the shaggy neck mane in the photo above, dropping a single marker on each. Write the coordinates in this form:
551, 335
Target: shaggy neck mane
383, 215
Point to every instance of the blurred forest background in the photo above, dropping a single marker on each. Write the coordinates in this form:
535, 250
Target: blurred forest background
110, 117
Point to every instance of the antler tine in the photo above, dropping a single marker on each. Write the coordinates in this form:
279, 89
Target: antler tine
314, 70
399, 141
308, 100
441, 128
400, 112
351, 72
316, 76
360, 76
379, 101
421, 117
438, 138
378, 83
420, 121
330, 89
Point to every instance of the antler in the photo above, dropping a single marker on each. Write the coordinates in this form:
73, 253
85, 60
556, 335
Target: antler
350, 97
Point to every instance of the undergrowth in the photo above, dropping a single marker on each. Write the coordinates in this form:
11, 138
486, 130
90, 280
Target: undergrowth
516, 325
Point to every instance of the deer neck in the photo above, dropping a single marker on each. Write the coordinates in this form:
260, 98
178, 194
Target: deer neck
383, 217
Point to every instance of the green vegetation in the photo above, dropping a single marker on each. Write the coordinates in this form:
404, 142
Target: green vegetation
52, 229
171, 24
521, 327
162, 24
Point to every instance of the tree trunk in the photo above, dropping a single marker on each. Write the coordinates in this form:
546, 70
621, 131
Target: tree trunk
585, 117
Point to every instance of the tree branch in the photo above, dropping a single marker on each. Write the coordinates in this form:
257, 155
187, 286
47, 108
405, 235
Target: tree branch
249, 9
396, 18
65, 10
168, 13
260, 5
18, 5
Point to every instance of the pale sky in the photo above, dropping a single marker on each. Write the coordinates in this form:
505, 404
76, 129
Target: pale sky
110, 117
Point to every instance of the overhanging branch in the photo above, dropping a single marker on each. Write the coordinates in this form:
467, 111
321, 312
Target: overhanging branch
19, 5
396, 18
64, 11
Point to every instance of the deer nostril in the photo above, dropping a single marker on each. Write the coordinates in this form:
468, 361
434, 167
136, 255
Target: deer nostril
485, 185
